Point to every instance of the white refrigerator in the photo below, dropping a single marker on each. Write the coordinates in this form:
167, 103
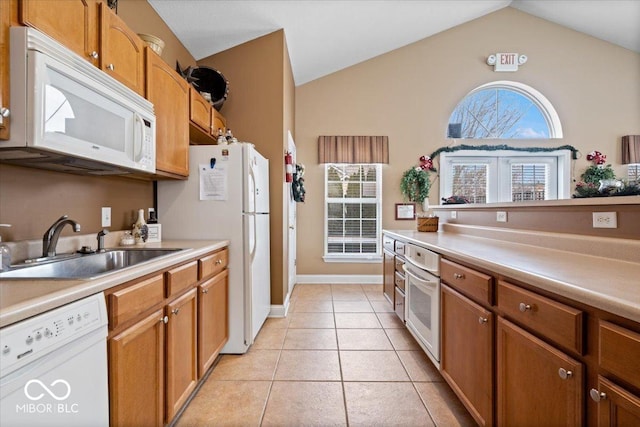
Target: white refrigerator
227, 197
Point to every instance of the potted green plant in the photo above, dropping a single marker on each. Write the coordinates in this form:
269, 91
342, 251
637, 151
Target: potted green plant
415, 183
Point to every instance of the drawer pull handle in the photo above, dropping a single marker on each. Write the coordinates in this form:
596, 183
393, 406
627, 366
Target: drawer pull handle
564, 374
175, 311
94, 55
111, 67
524, 307
218, 261
205, 291
458, 276
597, 395
482, 320
164, 319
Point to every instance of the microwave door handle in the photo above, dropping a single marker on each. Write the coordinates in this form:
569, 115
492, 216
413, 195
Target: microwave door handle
138, 137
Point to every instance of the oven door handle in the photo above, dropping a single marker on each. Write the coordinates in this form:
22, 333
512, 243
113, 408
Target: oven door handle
418, 278
419, 266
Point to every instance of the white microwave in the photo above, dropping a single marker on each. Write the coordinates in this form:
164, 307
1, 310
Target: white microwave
70, 116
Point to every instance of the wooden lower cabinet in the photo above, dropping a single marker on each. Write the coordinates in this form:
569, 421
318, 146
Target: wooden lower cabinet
537, 385
213, 319
136, 373
389, 268
182, 363
467, 353
616, 406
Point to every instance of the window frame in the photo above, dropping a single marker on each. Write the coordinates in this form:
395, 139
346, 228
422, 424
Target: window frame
353, 257
499, 170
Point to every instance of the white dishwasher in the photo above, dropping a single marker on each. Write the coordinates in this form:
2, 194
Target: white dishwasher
53, 367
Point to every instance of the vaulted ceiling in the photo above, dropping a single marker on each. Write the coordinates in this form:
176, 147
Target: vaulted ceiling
324, 36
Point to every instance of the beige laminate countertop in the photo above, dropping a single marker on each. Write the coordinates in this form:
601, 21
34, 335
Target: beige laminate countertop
605, 283
20, 299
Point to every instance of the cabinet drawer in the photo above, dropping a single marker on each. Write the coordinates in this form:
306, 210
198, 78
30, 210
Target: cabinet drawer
619, 352
470, 282
127, 303
399, 263
399, 304
558, 322
399, 280
213, 264
181, 278
388, 243
400, 248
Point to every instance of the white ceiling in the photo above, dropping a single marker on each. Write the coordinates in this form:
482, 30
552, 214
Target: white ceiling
324, 36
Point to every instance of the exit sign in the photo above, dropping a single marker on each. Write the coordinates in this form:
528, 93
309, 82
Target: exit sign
506, 61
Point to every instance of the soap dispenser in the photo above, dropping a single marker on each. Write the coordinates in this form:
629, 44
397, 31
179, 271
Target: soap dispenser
5, 253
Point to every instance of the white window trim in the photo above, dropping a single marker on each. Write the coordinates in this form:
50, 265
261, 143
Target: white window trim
494, 192
355, 258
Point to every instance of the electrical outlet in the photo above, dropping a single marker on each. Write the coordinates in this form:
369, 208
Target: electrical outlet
501, 216
106, 215
605, 220
454, 214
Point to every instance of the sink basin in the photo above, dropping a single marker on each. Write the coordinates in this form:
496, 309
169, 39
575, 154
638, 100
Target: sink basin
88, 266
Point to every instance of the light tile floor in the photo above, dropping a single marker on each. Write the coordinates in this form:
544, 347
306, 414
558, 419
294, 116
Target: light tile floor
340, 358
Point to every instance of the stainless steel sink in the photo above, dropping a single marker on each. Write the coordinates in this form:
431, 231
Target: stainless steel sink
88, 266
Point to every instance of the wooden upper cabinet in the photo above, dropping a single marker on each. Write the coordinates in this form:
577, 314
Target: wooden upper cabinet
217, 122
122, 51
169, 94
199, 111
71, 22
5, 110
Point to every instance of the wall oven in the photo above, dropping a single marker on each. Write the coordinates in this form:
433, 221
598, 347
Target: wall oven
423, 299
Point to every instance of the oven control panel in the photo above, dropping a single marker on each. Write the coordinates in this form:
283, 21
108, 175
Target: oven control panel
32, 338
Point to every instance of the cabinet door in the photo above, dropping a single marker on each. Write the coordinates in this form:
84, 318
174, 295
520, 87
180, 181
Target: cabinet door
169, 94
213, 320
467, 349
182, 368
136, 374
5, 22
71, 22
538, 385
199, 111
217, 122
388, 280
616, 406
121, 50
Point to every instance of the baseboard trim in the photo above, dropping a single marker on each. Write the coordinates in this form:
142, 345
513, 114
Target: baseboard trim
366, 279
280, 310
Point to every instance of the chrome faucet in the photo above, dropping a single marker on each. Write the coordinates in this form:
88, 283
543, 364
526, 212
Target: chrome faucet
50, 238
100, 238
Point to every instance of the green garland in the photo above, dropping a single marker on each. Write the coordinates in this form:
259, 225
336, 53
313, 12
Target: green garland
574, 151
415, 185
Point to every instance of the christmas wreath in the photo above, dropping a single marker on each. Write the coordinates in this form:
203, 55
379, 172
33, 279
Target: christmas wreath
415, 184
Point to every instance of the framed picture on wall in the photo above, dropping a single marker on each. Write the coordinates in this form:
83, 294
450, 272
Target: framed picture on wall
405, 211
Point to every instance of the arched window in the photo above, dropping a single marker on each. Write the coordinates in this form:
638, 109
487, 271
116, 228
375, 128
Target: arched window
504, 110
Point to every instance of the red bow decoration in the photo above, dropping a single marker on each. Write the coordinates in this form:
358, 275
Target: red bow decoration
597, 158
426, 163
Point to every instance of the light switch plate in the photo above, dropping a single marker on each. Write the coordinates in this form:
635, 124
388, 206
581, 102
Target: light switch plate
501, 216
454, 214
605, 220
106, 217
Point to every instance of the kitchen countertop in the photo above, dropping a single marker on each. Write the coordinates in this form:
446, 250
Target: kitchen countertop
20, 299
606, 283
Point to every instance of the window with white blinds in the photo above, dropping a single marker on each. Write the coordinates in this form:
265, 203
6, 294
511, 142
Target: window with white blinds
486, 177
352, 212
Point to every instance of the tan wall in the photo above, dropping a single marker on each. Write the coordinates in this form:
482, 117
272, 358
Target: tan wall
409, 94
32, 199
255, 113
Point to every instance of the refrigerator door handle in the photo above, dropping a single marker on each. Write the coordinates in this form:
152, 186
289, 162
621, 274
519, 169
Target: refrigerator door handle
252, 252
